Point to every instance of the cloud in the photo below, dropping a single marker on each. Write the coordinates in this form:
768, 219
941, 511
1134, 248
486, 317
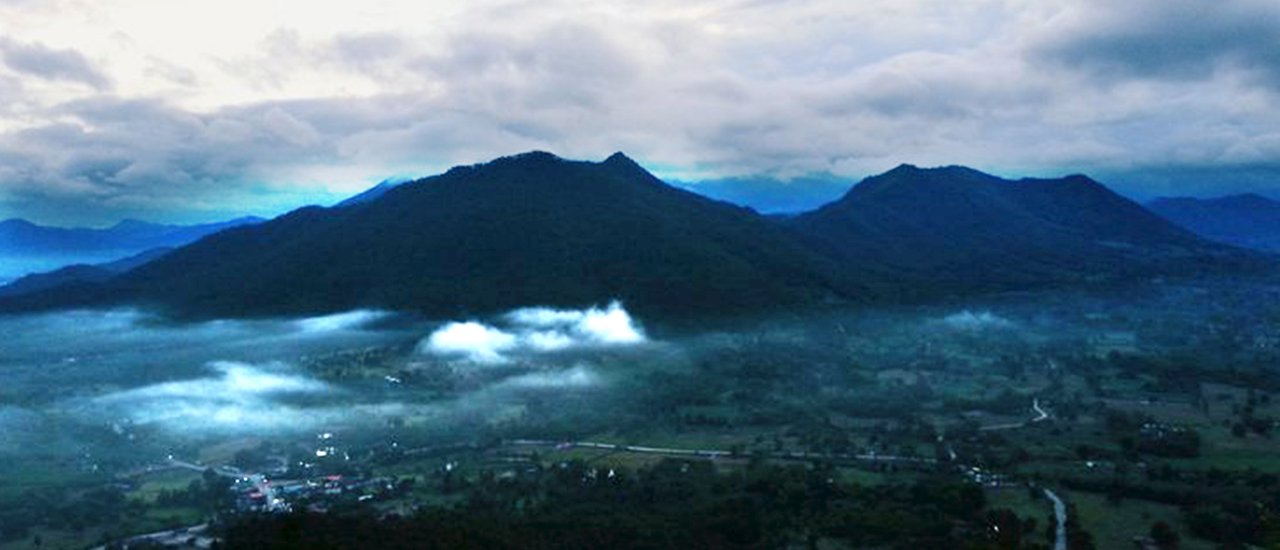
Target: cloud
472, 340
534, 330
235, 396
52, 64
610, 325
340, 321
1169, 39
971, 321
572, 378
247, 111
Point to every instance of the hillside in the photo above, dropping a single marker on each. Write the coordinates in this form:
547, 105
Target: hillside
535, 229
955, 228
521, 230
80, 273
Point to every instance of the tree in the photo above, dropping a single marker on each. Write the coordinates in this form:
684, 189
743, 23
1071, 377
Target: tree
1164, 535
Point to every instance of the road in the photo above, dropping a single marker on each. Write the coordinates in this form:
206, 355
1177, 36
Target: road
260, 482
720, 453
1060, 514
197, 535
1035, 405
1041, 416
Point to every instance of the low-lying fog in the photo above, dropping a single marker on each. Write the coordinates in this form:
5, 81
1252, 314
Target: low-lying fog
122, 388
124, 375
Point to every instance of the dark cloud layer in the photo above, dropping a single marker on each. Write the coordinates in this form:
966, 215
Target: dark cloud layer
1171, 39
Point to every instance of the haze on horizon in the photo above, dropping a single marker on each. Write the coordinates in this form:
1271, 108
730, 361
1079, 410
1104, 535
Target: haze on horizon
183, 111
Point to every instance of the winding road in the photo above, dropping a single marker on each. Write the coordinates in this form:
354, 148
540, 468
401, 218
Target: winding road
1060, 514
1041, 416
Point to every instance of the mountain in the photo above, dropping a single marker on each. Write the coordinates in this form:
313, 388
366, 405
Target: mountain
27, 248
535, 229
21, 237
523, 230
1248, 220
958, 229
368, 195
80, 273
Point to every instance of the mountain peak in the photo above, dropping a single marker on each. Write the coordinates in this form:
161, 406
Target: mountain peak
131, 223
950, 171
536, 155
622, 164
620, 158
911, 179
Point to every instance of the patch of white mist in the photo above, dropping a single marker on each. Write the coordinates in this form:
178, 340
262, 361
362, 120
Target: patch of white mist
968, 320
534, 330
351, 320
232, 397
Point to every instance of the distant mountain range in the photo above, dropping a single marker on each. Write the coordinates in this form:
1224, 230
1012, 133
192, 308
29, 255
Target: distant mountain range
80, 273
1248, 220
537, 229
26, 247
19, 237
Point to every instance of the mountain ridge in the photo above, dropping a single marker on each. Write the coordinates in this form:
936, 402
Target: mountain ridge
18, 235
956, 225
528, 228
534, 228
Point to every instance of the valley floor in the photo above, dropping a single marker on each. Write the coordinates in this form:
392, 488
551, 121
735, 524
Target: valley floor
1150, 413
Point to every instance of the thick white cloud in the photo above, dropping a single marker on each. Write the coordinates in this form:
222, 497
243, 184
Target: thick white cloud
235, 396
127, 107
534, 330
472, 340
610, 325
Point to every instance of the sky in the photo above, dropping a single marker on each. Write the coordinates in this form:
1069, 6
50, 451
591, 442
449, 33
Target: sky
183, 111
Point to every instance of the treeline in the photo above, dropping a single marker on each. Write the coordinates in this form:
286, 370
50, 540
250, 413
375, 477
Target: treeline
1231, 508
674, 504
79, 510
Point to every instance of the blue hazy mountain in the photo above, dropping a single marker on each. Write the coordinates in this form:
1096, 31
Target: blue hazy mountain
773, 195
1247, 220
26, 247
19, 236
537, 229
80, 273
374, 192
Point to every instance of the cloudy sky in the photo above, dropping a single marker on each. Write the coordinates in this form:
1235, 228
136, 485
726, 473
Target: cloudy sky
176, 110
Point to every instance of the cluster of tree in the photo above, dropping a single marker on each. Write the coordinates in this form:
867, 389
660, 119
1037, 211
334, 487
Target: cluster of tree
1139, 433
1231, 508
1249, 421
211, 493
60, 509
674, 504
